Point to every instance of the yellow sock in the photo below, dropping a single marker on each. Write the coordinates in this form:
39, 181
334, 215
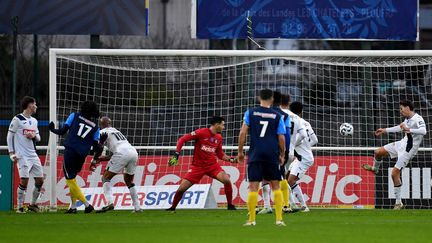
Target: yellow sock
285, 192
75, 191
71, 191
252, 203
278, 204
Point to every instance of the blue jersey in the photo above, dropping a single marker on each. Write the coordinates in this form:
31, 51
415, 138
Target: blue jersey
82, 133
287, 122
265, 125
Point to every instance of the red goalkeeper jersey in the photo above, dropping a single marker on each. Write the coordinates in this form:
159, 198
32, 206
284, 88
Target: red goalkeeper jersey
208, 146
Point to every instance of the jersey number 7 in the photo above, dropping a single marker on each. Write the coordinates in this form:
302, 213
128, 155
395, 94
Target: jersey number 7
264, 128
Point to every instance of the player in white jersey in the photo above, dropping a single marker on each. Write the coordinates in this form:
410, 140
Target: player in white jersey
304, 156
123, 159
297, 134
414, 128
23, 133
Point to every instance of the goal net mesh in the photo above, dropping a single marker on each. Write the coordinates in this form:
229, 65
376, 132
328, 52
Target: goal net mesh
153, 100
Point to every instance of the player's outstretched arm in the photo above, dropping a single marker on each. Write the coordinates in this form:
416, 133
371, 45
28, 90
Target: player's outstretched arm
59, 131
380, 131
184, 139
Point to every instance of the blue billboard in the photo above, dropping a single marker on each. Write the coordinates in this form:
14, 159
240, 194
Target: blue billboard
308, 19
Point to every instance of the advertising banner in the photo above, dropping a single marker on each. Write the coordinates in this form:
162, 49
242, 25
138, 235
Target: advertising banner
333, 181
310, 19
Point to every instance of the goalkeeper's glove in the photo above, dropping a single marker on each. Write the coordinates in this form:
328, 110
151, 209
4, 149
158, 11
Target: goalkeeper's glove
174, 159
233, 160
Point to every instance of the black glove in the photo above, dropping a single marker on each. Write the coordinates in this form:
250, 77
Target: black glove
51, 126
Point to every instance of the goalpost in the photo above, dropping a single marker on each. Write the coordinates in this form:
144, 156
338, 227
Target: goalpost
155, 96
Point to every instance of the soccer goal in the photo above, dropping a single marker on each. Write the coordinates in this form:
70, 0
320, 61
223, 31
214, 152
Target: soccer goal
155, 96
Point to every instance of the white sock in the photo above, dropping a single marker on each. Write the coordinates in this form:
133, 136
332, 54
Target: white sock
397, 192
73, 205
377, 164
266, 196
21, 196
107, 191
291, 198
134, 197
36, 193
299, 195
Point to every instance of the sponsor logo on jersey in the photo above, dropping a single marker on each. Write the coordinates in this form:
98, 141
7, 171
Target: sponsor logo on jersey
264, 115
28, 131
87, 121
208, 148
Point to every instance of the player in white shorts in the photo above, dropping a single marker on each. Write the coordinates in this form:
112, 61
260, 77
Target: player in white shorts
22, 135
304, 156
297, 134
404, 150
123, 160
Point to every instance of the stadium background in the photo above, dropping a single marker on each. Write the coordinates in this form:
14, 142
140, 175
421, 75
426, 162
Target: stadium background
170, 30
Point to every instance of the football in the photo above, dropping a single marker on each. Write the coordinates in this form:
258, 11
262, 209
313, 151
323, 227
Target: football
346, 130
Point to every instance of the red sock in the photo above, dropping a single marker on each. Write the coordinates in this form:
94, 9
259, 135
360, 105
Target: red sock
177, 197
228, 192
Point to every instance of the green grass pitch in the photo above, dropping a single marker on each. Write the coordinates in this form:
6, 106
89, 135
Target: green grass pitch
218, 226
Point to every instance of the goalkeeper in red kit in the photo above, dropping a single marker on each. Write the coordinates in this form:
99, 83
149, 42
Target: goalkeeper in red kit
208, 148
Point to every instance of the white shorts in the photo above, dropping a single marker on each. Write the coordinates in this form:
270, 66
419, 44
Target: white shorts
123, 161
298, 168
398, 149
29, 166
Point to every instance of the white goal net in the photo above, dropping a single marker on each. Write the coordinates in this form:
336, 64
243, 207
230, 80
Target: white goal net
154, 97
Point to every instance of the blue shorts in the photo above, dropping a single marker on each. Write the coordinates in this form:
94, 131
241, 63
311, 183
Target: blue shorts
72, 163
257, 171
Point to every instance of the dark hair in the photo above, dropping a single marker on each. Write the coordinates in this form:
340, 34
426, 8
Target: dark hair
216, 120
296, 107
285, 99
89, 109
26, 101
266, 94
407, 103
276, 97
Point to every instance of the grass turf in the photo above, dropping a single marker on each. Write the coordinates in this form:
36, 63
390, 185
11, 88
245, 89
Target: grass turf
218, 226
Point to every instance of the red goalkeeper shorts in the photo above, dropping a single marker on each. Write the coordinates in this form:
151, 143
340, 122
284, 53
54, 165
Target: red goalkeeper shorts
195, 173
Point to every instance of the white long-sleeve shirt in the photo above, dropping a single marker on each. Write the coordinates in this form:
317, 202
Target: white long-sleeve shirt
17, 140
417, 128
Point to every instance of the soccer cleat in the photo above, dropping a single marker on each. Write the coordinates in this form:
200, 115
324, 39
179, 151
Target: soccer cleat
304, 209
265, 211
370, 168
137, 210
231, 207
34, 208
20, 210
170, 209
106, 208
286, 209
71, 211
398, 206
89, 209
280, 223
250, 223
